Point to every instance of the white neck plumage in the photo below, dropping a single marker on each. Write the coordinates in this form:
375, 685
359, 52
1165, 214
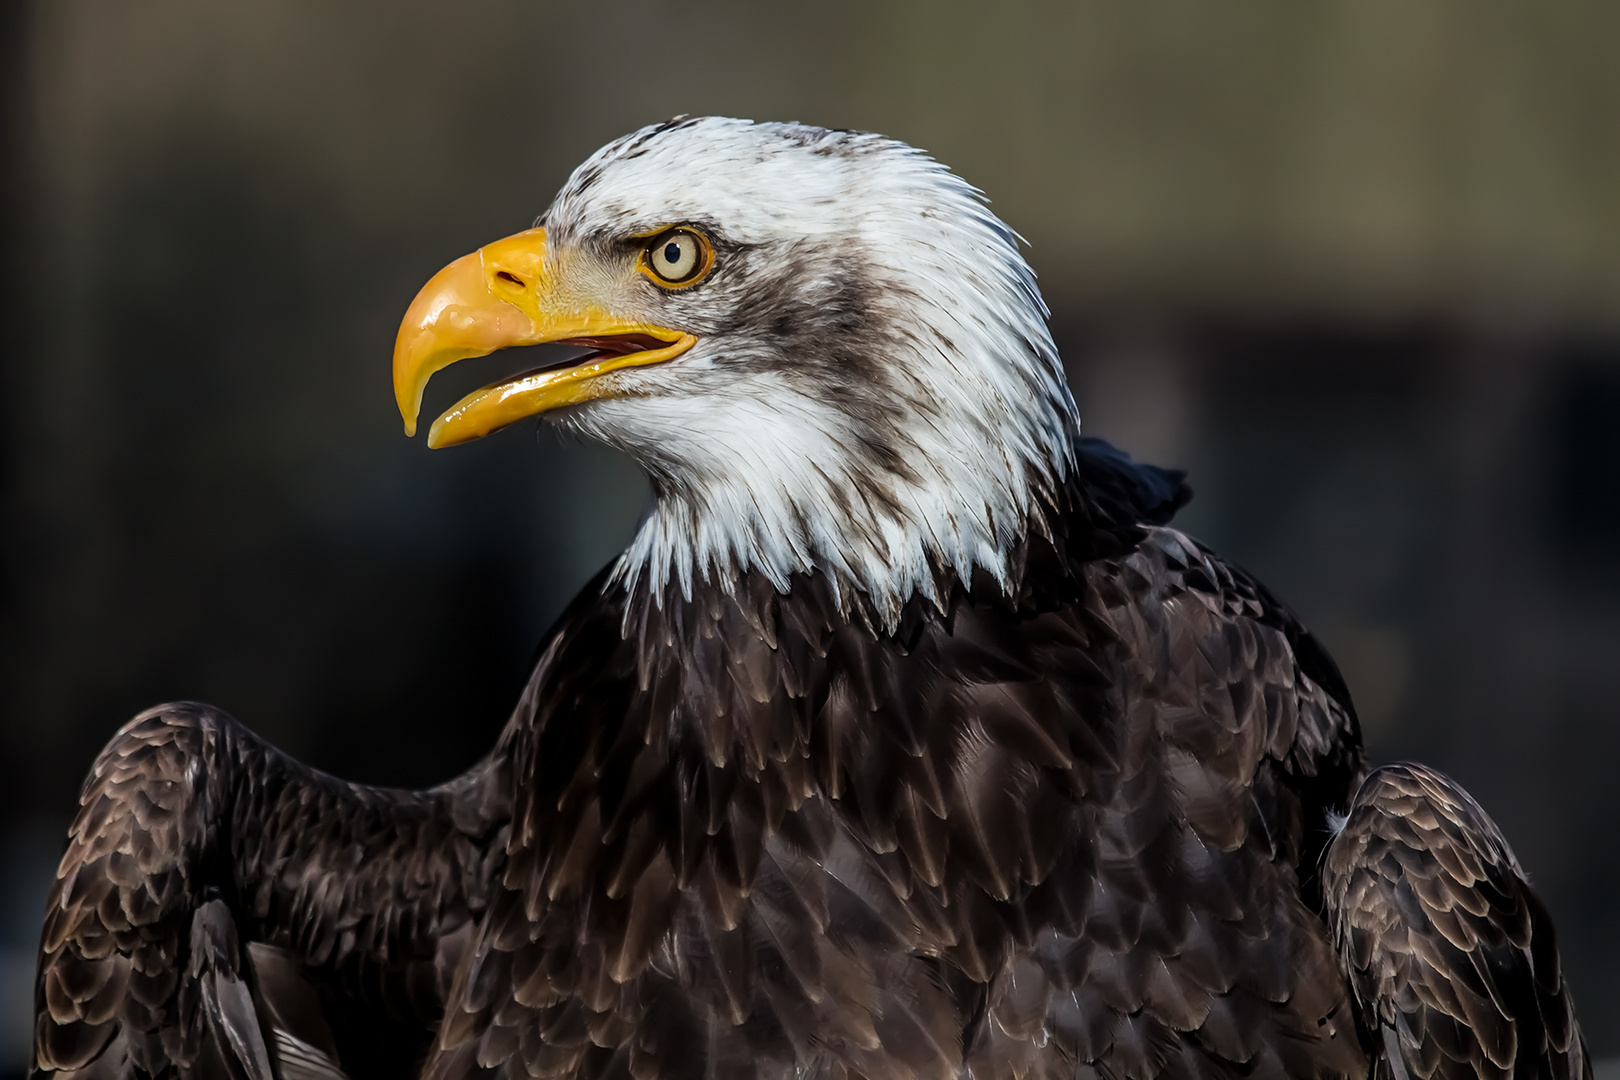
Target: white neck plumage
769, 479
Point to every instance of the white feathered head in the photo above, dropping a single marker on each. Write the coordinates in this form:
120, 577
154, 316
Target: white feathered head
823, 348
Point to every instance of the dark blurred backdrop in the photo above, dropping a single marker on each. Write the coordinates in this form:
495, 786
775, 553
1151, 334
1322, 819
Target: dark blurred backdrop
1355, 266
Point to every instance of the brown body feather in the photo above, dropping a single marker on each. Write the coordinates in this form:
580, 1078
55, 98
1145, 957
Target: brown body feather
1067, 828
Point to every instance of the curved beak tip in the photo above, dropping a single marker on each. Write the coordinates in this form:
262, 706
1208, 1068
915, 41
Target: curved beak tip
453, 317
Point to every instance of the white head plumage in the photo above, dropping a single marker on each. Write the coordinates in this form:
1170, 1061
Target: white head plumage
874, 394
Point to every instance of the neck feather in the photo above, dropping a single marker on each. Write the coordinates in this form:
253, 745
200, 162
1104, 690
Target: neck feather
947, 486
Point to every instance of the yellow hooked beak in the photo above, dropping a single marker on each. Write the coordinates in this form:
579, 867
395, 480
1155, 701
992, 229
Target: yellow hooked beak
504, 295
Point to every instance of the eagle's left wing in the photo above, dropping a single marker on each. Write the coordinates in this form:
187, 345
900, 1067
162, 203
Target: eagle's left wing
1449, 953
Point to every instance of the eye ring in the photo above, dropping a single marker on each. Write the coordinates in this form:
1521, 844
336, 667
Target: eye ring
677, 258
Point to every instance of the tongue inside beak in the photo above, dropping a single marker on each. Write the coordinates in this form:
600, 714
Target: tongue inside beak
571, 383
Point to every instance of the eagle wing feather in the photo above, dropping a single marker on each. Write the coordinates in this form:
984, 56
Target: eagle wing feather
205, 869
1449, 951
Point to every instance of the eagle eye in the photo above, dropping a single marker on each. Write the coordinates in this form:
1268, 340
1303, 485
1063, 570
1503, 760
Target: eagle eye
677, 257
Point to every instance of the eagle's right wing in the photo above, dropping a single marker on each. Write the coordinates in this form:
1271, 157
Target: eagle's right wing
1450, 955
223, 911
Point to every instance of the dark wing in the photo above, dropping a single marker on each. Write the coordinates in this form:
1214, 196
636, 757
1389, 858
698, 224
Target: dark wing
223, 911
1194, 955
1117, 493
1451, 956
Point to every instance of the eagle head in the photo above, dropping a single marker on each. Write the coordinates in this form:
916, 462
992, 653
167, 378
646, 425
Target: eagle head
825, 351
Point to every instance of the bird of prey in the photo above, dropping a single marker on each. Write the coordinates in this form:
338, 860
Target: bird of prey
906, 741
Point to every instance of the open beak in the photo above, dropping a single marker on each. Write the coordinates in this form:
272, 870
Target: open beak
503, 295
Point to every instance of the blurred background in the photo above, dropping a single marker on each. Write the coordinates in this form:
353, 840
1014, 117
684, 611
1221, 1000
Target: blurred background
1355, 266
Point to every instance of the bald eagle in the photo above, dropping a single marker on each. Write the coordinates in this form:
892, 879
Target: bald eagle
906, 741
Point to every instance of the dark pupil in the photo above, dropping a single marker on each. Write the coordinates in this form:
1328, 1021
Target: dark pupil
672, 252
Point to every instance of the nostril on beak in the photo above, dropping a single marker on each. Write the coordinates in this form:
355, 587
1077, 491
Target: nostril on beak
513, 278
